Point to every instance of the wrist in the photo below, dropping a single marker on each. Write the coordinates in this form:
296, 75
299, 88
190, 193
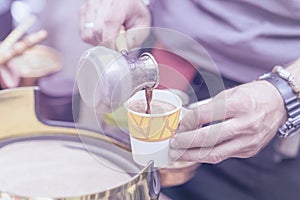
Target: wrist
284, 82
275, 97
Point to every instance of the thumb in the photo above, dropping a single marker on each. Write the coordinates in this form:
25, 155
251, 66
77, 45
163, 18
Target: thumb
136, 36
192, 119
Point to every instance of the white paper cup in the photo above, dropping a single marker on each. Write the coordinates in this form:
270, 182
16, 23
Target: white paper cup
150, 133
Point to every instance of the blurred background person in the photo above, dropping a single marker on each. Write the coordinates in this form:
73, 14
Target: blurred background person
245, 39
5, 18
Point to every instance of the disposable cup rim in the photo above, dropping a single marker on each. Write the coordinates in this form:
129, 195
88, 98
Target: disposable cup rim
160, 114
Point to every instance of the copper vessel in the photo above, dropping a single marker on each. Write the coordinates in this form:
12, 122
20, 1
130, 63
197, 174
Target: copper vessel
22, 127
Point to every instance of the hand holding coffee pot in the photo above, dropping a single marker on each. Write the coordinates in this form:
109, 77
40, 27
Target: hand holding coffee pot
107, 78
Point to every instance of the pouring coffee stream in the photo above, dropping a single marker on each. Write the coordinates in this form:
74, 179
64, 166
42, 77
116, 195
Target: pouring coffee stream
121, 46
107, 78
148, 94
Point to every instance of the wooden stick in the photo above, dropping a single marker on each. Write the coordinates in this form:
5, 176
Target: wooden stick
121, 41
19, 47
16, 34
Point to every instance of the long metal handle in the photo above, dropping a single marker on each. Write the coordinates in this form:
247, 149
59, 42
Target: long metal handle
154, 182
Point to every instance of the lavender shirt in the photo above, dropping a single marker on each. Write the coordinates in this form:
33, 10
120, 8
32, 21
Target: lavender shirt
245, 38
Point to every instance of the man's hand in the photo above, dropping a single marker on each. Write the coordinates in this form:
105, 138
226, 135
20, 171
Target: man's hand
101, 20
250, 116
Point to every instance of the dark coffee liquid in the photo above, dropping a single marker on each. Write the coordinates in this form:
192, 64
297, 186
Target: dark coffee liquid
157, 106
148, 94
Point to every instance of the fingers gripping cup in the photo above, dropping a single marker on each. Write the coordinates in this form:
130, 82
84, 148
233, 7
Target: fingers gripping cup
150, 133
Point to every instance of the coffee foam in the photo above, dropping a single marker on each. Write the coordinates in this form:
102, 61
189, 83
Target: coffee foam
156, 106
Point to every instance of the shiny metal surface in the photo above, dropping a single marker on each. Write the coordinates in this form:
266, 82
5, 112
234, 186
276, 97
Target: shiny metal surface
20, 123
178, 173
106, 78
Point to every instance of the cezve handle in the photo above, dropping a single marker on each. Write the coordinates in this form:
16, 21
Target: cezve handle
121, 41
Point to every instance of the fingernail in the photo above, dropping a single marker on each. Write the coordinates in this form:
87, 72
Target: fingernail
181, 128
173, 142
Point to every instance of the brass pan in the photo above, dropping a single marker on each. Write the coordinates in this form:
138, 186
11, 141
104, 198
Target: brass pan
22, 129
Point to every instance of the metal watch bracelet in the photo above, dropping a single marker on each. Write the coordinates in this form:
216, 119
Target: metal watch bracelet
291, 102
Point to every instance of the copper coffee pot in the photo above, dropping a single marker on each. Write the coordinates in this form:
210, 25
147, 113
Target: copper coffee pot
107, 78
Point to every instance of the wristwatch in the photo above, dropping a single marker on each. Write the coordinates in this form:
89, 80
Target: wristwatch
283, 80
